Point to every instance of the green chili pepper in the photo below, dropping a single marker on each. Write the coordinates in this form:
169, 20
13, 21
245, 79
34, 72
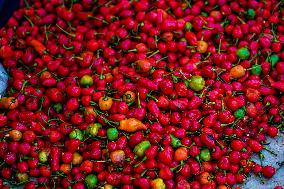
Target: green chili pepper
91, 181
256, 69
274, 60
250, 14
175, 142
196, 83
93, 129
43, 156
86, 80
57, 107
112, 134
140, 148
240, 113
76, 134
188, 26
243, 53
205, 154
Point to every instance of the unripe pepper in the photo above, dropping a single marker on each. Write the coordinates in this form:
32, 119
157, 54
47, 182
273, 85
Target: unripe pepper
175, 142
112, 134
205, 154
140, 148
243, 53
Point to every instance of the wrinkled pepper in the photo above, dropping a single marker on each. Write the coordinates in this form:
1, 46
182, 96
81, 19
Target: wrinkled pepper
131, 125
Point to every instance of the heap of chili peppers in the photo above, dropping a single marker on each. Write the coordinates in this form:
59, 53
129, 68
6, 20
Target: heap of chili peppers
140, 94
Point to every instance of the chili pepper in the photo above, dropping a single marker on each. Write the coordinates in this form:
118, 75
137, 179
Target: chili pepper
158, 183
38, 46
112, 134
153, 108
237, 72
43, 156
205, 154
196, 83
131, 125
278, 85
92, 129
117, 156
91, 181
240, 113
86, 80
250, 14
140, 148
175, 141
147, 83
76, 134
54, 158
256, 69
273, 60
243, 53
178, 104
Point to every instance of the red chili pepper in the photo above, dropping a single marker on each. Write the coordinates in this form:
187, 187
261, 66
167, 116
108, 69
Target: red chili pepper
38, 46
54, 158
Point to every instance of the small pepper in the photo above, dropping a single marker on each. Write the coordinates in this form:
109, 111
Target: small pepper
175, 142
250, 14
91, 181
240, 113
117, 156
131, 125
256, 69
112, 134
43, 156
243, 53
76, 134
86, 80
140, 148
274, 60
38, 46
93, 128
196, 83
237, 72
205, 154
158, 183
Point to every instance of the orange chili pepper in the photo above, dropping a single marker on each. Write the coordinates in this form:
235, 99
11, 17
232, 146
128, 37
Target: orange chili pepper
117, 156
158, 183
105, 103
131, 125
38, 46
129, 97
65, 168
181, 154
8, 103
202, 46
237, 72
204, 178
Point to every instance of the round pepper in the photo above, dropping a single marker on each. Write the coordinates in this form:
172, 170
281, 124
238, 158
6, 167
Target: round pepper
76, 134
250, 14
91, 181
86, 80
140, 148
256, 69
93, 129
196, 83
205, 154
43, 156
112, 134
240, 113
158, 183
243, 53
